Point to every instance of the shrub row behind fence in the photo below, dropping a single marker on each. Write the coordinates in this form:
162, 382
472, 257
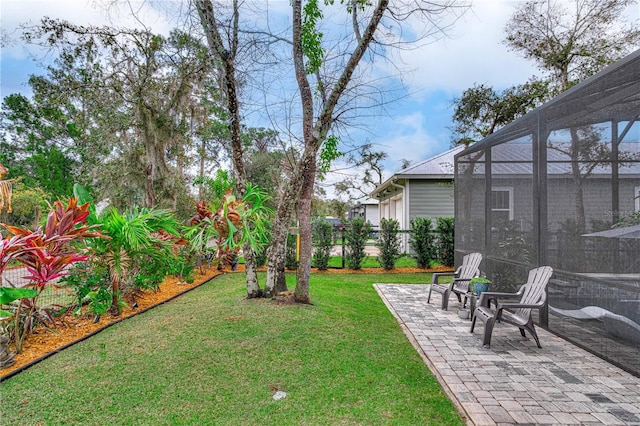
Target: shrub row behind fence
429, 245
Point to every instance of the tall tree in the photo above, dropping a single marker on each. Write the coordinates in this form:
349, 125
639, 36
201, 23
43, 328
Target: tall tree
322, 80
572, 40
225, 51
368, 21
306, 44
39, 149
481, 110
139, 95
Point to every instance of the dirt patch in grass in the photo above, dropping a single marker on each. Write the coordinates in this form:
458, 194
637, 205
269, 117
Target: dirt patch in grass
70, 328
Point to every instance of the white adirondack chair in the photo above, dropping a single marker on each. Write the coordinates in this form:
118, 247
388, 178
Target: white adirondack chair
460, 284
516, 310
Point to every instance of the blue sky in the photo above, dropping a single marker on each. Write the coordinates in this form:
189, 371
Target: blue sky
415, 128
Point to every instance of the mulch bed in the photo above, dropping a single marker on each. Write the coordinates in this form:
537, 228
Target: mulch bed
69, 328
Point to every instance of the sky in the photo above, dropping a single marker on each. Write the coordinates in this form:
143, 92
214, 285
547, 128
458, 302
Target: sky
415, 128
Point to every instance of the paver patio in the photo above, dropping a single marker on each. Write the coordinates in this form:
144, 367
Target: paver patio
512, 382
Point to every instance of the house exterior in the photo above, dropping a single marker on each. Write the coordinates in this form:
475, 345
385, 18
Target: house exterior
366, 209
421, 190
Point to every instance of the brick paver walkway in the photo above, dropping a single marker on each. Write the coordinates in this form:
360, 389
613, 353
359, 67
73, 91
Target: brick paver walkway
512, 382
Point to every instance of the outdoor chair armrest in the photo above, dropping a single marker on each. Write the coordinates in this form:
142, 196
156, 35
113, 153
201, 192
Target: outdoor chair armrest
520, 305
487, 296
436, 276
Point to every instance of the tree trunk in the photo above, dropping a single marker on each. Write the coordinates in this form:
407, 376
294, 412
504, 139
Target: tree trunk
149, 193
115, 289
281, 278
276, 257
276, 279
306, 168
276, 253
253, 287
227, 56
202, 157
301, 293
315, 132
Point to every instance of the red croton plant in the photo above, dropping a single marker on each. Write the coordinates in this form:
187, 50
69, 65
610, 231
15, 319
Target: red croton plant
46, 253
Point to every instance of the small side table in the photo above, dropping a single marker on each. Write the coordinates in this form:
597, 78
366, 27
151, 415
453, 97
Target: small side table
473, 300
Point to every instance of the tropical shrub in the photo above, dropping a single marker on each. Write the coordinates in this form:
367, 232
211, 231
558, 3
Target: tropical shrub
229, 222
322, 236
47, 254
7, 296
100, 301
183, 265
245, 220
389, 243
149, 272
356, 234
445, 240
199, 232
83, 278
135, 238
421, 241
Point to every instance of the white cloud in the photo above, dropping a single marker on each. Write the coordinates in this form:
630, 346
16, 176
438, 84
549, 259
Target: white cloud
80, 12
473, 52
16, 60
407, 140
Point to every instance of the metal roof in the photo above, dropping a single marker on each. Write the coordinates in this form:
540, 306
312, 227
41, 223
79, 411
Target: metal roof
439, 167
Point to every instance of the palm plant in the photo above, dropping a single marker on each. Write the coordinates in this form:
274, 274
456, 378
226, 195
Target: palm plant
139, 235
230, 222
200, 230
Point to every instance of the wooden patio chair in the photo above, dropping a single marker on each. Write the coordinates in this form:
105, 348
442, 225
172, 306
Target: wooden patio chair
516, 310
460, 284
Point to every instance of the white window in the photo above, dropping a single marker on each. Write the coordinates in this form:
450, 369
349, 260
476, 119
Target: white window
502, 203
636, 198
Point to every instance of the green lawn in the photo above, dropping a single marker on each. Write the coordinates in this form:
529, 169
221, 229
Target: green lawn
212, 357
372, 262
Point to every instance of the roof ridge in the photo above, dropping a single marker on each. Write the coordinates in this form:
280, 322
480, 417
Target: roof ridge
428, 160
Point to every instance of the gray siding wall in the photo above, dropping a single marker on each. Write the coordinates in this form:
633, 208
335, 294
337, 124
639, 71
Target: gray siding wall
430, 198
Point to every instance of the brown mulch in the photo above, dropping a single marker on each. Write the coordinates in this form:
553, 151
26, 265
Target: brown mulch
71, 328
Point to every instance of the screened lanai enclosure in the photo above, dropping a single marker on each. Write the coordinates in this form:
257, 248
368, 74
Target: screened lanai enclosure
561, 187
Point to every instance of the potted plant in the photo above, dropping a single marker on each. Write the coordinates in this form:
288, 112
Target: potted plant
479, 284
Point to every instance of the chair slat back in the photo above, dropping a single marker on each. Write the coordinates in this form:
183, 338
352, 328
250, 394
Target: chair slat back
470, 266
534, 289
